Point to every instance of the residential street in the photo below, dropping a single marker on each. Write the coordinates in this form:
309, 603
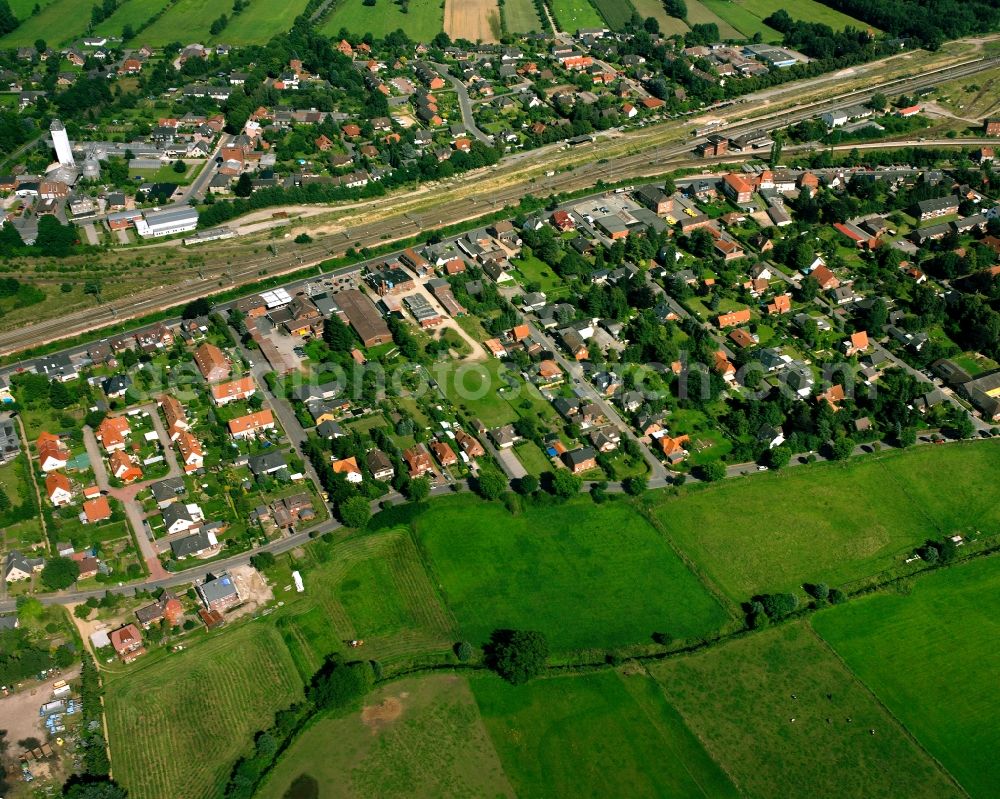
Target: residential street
127, 494
657, 471
465, 103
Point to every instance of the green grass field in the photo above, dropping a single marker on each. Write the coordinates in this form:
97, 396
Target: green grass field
654, 8
57, 23
571, 15
616, 13
931, 657
521, 16
134, 13
258, 23
701, 14
422, 23
416, 737
805, 10
586, 575
743, 20
374, 588
476, 389
599, 735
761, 706
178, 724
832, 523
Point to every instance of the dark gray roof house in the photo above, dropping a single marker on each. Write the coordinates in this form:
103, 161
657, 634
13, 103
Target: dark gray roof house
168, 490
268, 463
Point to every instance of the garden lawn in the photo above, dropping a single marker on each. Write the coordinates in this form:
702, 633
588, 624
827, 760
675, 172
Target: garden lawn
416, 737
586, 575
177, 725
537, 271
482, 390
931, 657
784, 717
603, 734
423, 21
571, 15
832, 523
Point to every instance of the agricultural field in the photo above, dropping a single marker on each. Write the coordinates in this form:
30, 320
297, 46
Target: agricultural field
784, 717
616, 13
520, 16
423, 21
134, 13
743, 20
603, 734
58, 23
805, 10
828, 522
415, 737
571, 15
474, 20
654, 8
177, 725
930, 655
258, 23
701, 14
373, 588
586, 575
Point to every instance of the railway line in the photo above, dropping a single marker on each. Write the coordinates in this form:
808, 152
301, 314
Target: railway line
647, 159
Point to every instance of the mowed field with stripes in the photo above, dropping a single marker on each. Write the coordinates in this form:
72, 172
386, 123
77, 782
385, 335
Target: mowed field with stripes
177, 722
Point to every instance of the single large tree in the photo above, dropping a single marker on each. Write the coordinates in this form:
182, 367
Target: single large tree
517, 655
60, 573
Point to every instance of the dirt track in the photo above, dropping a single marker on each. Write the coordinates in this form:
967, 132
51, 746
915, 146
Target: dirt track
470, 19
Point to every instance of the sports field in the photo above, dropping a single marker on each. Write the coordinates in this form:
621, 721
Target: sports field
699, 13
832, 523
414, 738
743, 20
256, 24
423, 21
599, 735
931, 656
178, 724
521, 16
783, 717
805, 10
586, 575
571, 15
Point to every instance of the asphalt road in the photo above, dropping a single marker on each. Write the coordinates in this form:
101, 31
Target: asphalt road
465, 104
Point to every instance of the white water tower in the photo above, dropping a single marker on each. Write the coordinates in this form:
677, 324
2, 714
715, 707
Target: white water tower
64, 153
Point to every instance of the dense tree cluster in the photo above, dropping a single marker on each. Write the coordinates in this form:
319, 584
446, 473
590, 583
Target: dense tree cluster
930, 22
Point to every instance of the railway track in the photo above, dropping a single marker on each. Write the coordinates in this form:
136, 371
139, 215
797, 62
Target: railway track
647, 160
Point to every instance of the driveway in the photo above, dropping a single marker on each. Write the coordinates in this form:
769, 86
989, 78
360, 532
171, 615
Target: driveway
465, 103
127, 494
